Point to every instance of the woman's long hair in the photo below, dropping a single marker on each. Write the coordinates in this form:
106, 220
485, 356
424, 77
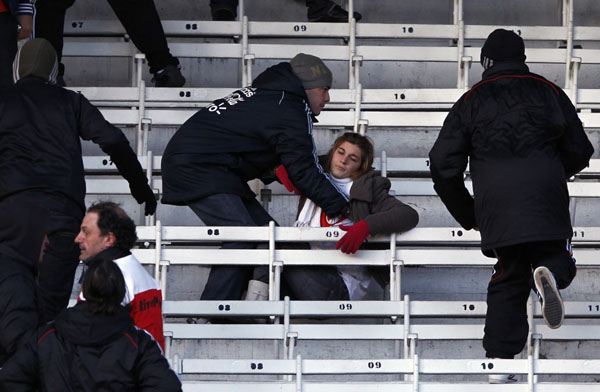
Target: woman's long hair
103, 286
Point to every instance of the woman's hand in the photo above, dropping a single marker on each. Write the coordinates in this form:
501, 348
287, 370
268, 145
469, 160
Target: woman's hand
355, 236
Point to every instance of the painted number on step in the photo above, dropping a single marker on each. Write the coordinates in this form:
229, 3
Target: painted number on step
579, 233
488, 365
594, 308
398, 96
456, 233
256, 366
345, 306
334, 234
213, 232
299, 28
224, 307
374, 365
469, 307
407, 29
191, 26
77, 25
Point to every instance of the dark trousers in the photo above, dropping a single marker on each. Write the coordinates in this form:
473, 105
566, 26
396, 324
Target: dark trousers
314, 6
230, 282
18, 307
8, 48
139, 18
506, 324
56, 271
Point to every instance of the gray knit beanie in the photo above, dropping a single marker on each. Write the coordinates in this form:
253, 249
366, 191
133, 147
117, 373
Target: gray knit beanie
36, 58
311, 71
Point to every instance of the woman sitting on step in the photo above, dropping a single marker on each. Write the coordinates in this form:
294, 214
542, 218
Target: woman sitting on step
372, 211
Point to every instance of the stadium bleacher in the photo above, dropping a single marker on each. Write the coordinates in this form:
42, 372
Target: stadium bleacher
397, 74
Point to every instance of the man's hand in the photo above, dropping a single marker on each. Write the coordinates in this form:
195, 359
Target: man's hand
282, 175
355, 236
26, 23
144, 194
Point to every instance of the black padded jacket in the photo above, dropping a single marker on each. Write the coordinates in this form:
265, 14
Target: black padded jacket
40, 148
84, 352
523, 139
245, 135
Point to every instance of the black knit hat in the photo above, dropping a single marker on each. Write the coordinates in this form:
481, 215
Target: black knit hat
502, 45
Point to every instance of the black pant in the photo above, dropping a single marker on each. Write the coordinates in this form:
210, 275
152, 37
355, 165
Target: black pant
56, 271
18, 308
8, 48
139, 17
506, 324
230, 282
314, 6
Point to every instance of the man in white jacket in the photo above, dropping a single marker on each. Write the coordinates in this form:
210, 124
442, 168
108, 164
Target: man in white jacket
107, 231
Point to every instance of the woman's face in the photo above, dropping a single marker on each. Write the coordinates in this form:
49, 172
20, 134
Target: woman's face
346, 160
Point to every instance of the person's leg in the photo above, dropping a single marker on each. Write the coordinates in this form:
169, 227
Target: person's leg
49, 24
327, 11
229, 282
223, 9
553, 269
18, 307
56, 272
142, 23
506, 324
8, 48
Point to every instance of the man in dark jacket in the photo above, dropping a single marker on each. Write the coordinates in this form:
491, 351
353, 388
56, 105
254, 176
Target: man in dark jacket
523, 139
93, 346
40, 157
16, 22
240, 137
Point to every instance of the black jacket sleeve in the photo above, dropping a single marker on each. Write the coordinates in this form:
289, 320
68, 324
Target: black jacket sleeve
113, 142
152, 370
448, 160
20, 372
294, 144
574, 147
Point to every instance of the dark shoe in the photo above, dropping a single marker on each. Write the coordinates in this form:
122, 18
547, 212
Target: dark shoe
334, 14
552, 304
170, 76
224, 14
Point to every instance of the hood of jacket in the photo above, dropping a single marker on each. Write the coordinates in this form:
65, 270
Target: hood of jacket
280, 77
80, 326
505, 67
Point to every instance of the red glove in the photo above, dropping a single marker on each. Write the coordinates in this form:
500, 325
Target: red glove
355, 236
282, 174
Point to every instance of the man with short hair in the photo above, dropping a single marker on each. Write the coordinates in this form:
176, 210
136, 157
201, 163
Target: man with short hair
107, 231
523, 139
245, 136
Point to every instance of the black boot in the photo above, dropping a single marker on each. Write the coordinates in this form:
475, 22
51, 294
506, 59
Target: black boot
170, 76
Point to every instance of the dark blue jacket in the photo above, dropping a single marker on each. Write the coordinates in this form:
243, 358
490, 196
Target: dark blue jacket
17, 7
242, 137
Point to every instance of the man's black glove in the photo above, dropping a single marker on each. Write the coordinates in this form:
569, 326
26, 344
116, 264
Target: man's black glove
129, 167
144, 194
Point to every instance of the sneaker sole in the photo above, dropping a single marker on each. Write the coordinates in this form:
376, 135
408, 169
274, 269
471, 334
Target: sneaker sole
552, 304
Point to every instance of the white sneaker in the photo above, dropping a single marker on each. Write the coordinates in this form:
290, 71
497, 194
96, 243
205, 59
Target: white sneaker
257, 291
553, 309
502, 378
